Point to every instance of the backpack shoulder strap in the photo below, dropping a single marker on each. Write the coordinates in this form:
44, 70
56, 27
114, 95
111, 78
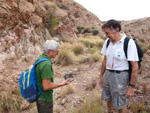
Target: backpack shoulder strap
108, 41
41, 60
126, 41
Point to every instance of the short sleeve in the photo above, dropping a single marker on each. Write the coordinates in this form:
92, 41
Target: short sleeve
46, 70
132, 51
103, 51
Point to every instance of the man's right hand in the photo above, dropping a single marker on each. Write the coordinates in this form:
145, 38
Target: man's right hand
101, 80
66, 82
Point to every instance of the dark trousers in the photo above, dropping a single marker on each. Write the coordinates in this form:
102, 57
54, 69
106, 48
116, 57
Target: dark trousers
44, 106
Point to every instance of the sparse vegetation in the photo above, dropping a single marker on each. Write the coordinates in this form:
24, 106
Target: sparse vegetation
51, 21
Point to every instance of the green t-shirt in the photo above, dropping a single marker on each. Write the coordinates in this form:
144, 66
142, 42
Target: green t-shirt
44, 70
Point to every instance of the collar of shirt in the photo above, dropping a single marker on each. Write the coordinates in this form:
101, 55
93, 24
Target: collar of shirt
123, 37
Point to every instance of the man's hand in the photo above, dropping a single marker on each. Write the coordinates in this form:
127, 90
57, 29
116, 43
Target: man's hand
101, 80
66, 82
130, 92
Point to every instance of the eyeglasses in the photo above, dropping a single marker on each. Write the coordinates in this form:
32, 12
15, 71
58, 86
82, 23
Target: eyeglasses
55, 51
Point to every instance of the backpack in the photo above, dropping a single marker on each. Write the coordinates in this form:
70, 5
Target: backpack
139, 51
28, 85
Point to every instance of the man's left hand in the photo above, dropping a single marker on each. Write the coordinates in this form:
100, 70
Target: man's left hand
130, 92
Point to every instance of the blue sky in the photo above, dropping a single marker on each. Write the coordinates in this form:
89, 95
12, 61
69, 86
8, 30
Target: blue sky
117, 9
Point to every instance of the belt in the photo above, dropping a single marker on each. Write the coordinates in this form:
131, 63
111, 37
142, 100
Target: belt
118, 71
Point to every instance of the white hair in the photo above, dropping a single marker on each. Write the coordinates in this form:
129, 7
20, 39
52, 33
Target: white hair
51, 44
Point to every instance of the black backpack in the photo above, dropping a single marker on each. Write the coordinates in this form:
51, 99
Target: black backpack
139, 50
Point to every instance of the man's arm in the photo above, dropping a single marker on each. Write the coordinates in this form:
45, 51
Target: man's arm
48, 85
103, 69
134, 75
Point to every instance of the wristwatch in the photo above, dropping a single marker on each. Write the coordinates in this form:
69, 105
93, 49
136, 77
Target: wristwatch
132, 85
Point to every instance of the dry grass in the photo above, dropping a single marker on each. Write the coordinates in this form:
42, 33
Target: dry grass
144, 85
138, 107
10, 101
65, 57
90, 105
78, 48
67, 90
144, 46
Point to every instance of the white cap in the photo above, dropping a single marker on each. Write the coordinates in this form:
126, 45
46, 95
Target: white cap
51, 44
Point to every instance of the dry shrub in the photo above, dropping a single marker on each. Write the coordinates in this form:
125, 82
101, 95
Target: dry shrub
95, 57
83, 59
86, 43
92, 50
145, 49
144, 46
78, 48
65, 57
99, 44
10, 101
142, 68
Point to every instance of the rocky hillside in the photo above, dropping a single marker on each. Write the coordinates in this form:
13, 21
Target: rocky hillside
139, 28
26, 24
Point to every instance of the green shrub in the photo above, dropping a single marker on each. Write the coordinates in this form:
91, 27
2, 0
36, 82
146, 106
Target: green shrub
95, 32
104, 38
80, 29
92, 45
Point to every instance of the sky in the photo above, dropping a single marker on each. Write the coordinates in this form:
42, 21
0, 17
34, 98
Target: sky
117, 9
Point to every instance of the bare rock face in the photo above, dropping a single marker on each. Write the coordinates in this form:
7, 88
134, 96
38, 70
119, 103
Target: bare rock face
139, 28
35, 20
25, 6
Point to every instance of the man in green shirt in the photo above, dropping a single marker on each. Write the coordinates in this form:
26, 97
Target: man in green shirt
44, 76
